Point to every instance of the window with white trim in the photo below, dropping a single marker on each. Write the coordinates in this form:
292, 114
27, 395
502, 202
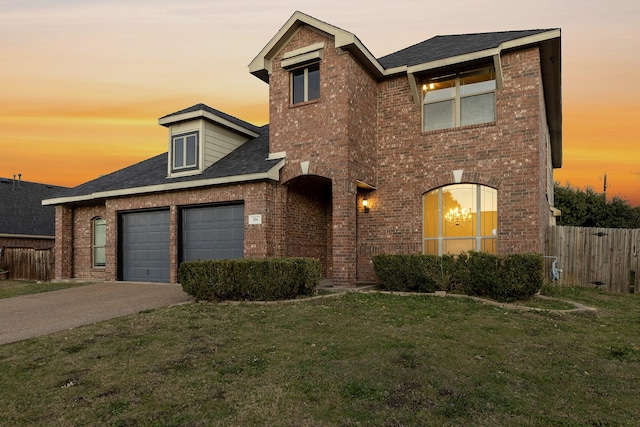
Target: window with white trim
305, 84
99, 241
460, 99
185, 151
460, 218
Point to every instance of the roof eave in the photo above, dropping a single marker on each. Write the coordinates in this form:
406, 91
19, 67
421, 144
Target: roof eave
203, 114
272, 174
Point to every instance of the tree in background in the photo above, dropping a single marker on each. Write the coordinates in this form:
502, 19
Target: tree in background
587, 208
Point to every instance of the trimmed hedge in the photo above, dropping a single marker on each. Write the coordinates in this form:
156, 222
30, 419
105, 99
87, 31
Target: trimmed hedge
267, 279
499, 277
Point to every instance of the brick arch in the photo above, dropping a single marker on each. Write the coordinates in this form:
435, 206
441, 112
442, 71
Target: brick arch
292, 170
470, 177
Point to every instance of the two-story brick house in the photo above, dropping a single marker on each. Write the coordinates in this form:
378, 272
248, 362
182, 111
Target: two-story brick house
445, 146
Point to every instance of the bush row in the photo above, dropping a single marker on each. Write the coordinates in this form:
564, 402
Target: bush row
499, 277
266, 279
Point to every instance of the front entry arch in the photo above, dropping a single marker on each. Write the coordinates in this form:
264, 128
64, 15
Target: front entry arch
308, 225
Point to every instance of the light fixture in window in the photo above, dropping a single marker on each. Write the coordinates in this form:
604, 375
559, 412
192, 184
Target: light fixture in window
456, 216
426, 87
365, 205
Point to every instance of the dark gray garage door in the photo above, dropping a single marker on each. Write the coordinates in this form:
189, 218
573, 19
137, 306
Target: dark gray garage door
145, 246
213, 232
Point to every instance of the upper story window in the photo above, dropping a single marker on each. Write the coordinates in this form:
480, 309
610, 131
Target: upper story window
460, 99
185, 151
305, 84
99, 242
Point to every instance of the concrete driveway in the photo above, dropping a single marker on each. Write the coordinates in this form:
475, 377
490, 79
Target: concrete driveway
31, 316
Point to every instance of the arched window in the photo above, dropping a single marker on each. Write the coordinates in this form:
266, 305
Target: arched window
99, 241
459, 218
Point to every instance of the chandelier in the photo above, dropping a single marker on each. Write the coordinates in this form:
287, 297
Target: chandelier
455, 216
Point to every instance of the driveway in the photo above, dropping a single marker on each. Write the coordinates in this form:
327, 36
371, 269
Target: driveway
31, 316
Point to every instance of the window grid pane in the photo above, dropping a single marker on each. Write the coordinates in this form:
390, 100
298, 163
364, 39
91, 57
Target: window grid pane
178, 152
477, 109
314, 83
439, 115
191, 150
298, 86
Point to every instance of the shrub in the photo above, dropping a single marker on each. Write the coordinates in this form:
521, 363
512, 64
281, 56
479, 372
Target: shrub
250, 279
502, 278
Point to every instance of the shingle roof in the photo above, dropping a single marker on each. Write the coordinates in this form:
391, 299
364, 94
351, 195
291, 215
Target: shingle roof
441, 47
21, 210
249, 158
204, 107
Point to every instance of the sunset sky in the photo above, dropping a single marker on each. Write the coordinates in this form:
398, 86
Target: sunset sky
83, 82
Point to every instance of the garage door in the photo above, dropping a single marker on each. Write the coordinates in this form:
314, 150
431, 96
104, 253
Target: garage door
213, 232
145, 246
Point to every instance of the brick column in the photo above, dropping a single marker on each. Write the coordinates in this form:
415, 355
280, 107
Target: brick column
344, 232
64, 242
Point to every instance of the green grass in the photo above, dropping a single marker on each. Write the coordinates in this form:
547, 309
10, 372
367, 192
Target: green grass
14, 288
351, 360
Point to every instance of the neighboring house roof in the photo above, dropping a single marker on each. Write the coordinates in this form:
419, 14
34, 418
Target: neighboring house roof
248, 162
21, 210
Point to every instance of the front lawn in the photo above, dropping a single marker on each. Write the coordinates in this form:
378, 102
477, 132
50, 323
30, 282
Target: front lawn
351, 360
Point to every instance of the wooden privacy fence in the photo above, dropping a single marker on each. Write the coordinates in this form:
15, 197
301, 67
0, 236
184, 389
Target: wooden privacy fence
608, 258
29, 263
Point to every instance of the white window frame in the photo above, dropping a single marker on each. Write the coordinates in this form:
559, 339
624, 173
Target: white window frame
457, 97
185, 151
478, 237
305, 83
98, 221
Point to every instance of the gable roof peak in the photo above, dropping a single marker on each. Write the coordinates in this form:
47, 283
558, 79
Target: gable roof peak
261, 64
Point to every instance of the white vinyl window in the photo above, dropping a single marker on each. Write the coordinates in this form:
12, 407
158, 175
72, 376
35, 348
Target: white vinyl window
185, 151
461, 99
99, 241
305, 84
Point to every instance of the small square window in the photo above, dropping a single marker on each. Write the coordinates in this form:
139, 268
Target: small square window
185, 151
305, 84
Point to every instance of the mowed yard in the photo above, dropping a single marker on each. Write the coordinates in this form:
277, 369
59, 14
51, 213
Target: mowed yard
355, 359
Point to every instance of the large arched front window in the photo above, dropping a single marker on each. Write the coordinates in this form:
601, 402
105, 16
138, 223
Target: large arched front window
459, 218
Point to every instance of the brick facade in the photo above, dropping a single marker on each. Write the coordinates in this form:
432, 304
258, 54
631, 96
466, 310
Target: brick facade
362, 138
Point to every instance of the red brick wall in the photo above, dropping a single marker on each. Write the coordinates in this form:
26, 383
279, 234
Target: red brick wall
82, 242
74, 226
336, 134
507, 155
308, 206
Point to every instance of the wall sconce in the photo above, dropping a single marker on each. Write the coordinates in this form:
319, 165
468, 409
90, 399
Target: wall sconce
365, 205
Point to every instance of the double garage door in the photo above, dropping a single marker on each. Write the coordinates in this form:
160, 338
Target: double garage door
210, 232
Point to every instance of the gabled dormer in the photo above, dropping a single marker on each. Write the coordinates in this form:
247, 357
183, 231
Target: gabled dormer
199, 136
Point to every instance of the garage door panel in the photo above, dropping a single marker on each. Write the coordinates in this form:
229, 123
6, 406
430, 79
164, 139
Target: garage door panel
145, 246
213, 232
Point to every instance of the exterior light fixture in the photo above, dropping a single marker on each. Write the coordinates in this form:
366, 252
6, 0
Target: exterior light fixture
455, 216
365, 205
